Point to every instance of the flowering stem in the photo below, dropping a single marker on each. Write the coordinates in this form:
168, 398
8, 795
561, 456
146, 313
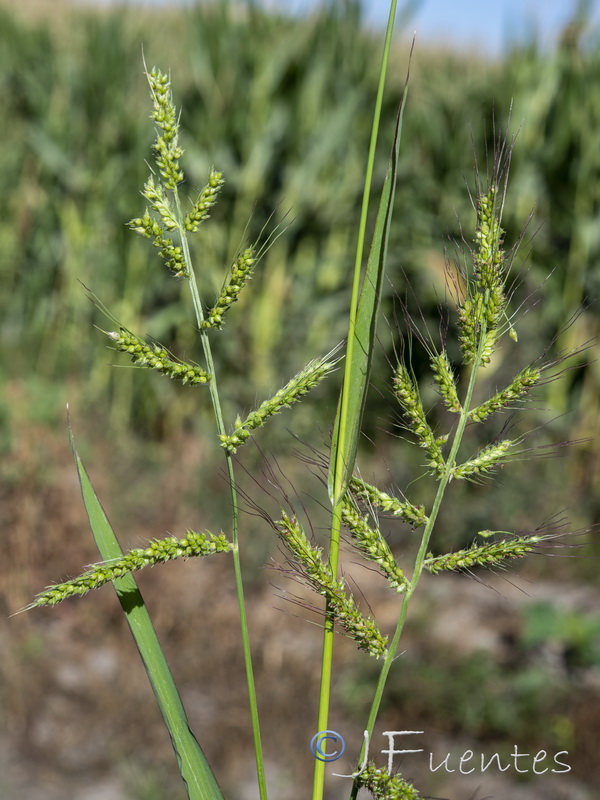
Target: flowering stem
422, 553
216, 403
341, 466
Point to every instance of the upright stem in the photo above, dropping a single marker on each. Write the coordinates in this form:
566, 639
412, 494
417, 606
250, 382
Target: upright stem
420, 558
334, 542
216, 403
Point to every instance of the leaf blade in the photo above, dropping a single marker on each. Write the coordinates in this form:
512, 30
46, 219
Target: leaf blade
194, 768
356, 379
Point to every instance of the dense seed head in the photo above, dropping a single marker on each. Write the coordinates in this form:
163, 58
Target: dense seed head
518, 388
444, 377
241, 273
410, 401
157, 552
153, 356
371, 543
384, 786
155, 194
485, 461
414, 515
309, 377
171, 254
486, 555
316, 574
164, 114
484, 304
204, 202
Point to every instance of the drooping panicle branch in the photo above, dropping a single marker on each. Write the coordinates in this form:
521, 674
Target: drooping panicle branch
410, 401
483, 555
171, 253
309, 377
157, 552
485, 461
371, 543
443, 375
153, 356
318, 576
518, 388
414, 515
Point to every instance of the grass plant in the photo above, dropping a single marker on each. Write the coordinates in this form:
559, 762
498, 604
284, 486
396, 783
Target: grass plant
484, 328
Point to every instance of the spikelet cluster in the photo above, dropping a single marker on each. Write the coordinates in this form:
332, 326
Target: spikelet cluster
153, 356
166, 147
318, 576
171, 254
520, 386
204, 202
161, 550
408, 397
371, 543
241, 272
414, 515
444, 377
485, 461
484, 304
384, 786
484, 555
312, 374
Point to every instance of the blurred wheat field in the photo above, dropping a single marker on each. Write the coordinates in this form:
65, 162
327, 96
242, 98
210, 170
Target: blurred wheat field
281, 106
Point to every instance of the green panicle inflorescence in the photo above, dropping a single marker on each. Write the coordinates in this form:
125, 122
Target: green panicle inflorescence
484, 304
205, 201
153, 356
312, 374
484, 555
161, 550
172, 254
384, 786
414, 515
371, 543
485, 461
489, 256
166, 146
444, 377
318, 576
519, 387
409, 399
155, 194
241, 272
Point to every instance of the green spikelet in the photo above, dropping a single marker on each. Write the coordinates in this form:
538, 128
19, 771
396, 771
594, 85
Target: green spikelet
384, 786
166, 147
485, 301
241, 272
408, 397
157, 552
205, 201
153, 356
171, 254
486, 555
414, 515
485, 461
518, 388
444, 377
373, 546
312, 374
317, 575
